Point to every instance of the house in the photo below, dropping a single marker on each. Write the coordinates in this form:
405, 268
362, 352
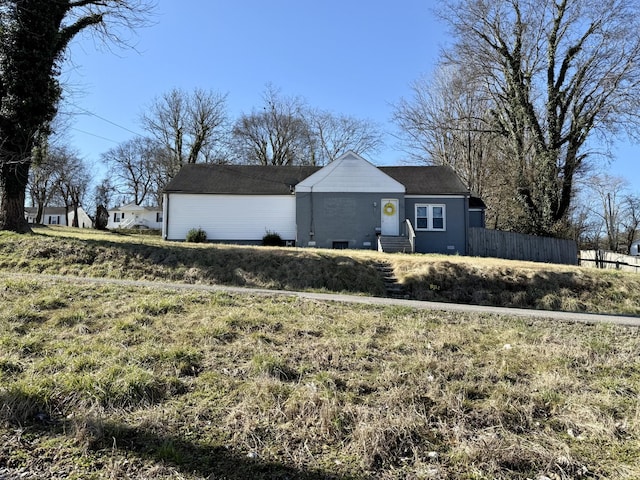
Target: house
50, 215
348, 203
135, 216
634, 248
58, 216
84, 221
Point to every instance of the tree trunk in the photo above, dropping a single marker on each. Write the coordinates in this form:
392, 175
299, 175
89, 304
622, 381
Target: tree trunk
13, 188
66, 215
75, 222
39, 212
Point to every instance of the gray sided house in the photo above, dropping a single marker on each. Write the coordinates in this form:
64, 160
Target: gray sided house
349, 203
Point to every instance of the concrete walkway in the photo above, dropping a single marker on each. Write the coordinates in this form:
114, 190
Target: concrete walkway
589, 318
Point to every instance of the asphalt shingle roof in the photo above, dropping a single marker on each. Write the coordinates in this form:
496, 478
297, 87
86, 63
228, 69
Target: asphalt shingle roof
427, 180
238, 179
278, 180
47, 210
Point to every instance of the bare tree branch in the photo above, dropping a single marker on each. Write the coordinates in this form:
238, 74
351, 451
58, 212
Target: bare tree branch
34, 35
557, 71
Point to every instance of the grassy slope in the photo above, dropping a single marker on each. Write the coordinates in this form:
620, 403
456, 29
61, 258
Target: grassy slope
126, 382
425, 277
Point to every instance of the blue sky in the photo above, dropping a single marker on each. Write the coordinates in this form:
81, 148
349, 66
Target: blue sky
350, 57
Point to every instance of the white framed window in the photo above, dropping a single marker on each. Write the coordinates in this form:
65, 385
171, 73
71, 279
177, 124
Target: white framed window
117, 217
430, 217
158, 217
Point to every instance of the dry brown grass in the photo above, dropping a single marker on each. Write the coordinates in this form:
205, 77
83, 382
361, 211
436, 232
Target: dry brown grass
126, 382
114, 381
425, 277
485, 281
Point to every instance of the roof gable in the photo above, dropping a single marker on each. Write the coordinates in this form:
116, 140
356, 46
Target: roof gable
350, 173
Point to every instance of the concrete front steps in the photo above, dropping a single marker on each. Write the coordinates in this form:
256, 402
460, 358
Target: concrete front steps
395, 244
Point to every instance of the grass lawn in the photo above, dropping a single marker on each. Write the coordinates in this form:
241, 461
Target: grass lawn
458, 279
114, 381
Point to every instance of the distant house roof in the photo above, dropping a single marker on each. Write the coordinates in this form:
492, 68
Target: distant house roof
238, 179
281, 180
132, 207
47, 210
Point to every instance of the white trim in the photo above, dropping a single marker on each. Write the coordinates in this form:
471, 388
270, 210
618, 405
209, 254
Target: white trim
430, 207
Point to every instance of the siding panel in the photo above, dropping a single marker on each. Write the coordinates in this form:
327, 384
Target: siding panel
350, 174
231, 217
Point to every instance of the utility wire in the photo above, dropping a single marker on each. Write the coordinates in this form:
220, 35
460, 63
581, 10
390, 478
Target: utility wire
87, 112
94, 135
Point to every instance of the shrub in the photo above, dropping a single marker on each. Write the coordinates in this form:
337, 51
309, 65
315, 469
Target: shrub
196, 235
272, 239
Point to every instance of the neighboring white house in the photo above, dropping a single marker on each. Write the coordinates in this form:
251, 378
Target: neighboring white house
135, 216
58, 216
634, 249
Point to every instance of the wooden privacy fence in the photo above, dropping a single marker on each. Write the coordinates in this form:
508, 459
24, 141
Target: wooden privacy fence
517, 246
606, 259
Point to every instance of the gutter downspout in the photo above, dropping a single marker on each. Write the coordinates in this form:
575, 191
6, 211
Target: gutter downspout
466, 223
312, 231
165, 216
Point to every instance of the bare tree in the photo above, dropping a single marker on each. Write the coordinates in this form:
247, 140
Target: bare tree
631, 218
286, 131
72, 181
34, 34
558, 71
332, 135
42, 177
276, 135
131, 168
586, 230
190, 127
49, 148
607, 193
447, 122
